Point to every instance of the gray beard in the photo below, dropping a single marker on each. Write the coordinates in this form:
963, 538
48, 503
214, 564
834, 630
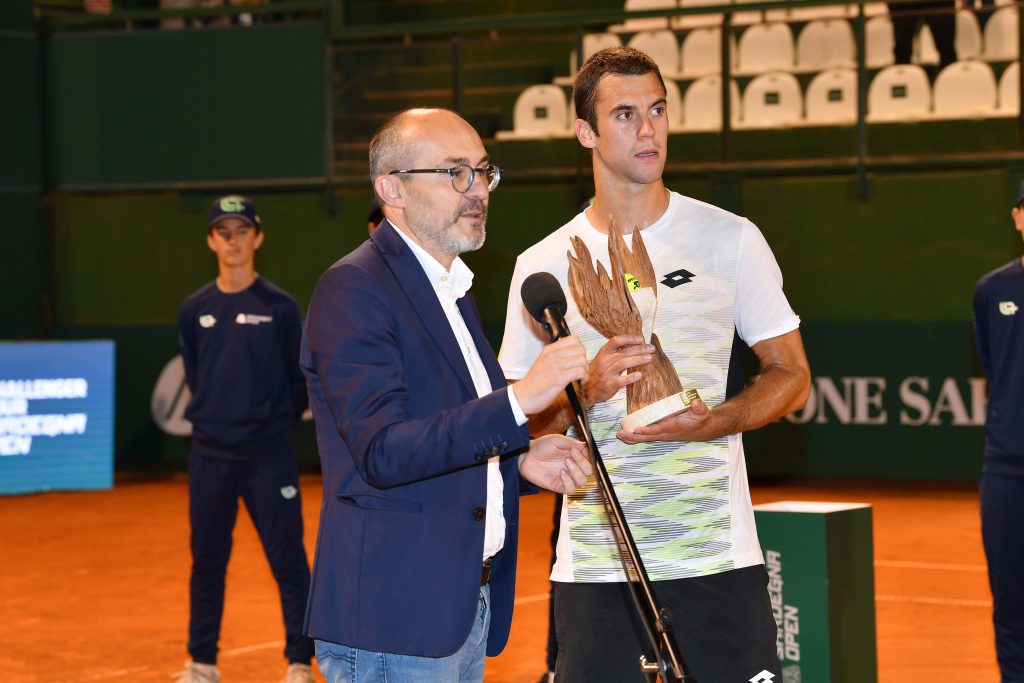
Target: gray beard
446, 240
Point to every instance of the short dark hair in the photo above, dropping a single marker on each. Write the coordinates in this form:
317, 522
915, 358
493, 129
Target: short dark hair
618, 61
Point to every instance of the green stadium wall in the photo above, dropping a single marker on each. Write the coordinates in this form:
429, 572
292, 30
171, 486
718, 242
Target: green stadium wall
177, 106
883, 287
22, 262
883, 283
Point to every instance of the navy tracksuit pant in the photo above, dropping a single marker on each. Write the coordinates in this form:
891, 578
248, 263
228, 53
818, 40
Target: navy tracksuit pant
269, 485
1002, 530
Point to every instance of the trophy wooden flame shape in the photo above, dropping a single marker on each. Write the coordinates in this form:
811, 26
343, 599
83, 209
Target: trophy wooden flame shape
625, 302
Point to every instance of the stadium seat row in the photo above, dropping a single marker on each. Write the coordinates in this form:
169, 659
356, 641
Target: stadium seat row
821, 44
741, 18
966, 89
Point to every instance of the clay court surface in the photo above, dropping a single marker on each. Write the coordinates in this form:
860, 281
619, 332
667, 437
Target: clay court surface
94, 586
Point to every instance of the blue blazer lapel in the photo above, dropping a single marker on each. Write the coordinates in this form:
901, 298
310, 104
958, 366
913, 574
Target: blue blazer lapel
410, 276
471, 314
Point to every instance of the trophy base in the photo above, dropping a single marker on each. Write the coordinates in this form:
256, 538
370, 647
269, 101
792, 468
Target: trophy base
659, 410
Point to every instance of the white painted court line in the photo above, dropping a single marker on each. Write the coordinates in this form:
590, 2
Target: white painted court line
920, 600
251, 648
941, 566
527, 599
106, 675
121, 673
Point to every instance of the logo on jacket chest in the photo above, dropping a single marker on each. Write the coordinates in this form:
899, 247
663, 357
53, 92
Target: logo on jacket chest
1007, 307
252, 319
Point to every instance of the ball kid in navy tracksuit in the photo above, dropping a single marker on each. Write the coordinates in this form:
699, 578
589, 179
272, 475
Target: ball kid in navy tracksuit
999, 333
240, 344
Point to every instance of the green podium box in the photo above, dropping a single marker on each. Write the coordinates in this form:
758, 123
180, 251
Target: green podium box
820, 564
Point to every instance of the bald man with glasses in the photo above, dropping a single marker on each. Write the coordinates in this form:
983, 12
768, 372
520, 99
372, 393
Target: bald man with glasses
424, 448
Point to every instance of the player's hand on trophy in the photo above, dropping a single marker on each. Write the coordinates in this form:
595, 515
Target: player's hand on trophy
559, 363
691, 425
609, 371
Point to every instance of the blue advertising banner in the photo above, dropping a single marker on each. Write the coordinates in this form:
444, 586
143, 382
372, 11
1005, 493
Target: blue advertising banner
56, 416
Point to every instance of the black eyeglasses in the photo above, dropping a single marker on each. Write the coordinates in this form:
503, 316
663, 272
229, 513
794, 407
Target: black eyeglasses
463, 176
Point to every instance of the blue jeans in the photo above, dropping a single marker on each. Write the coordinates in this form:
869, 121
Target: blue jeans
343, 664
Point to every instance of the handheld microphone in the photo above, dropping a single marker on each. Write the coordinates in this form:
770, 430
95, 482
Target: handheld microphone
545, 300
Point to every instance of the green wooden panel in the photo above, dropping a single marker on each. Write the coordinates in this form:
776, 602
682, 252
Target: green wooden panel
170, 106
19, 117
16, 15
914, 251
132, 259
21, 264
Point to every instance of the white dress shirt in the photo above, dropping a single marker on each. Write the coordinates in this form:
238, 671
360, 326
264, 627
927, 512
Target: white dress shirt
450, 286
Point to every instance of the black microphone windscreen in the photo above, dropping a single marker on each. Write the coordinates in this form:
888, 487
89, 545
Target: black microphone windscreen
541, 290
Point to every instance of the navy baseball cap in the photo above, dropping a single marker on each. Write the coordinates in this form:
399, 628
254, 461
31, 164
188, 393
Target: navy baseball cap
233, 206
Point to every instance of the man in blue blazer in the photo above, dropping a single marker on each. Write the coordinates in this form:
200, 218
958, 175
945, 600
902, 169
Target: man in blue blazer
423, 446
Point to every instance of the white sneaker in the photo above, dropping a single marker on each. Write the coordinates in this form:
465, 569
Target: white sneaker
199, 673
299, 673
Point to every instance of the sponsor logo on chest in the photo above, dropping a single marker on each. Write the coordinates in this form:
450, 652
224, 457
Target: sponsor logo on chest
1008, 307
252, 319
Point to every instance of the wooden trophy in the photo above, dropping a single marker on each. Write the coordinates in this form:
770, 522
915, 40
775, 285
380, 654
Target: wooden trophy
625, 302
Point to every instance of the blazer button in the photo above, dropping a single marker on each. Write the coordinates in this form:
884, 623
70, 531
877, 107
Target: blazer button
478, 513
503, 446
480, 457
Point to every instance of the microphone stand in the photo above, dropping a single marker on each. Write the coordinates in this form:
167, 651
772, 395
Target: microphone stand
656, 620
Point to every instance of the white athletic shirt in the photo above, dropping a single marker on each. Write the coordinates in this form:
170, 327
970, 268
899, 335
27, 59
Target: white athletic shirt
687, 503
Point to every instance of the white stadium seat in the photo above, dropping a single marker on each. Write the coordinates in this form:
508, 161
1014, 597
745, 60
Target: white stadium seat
825, 44
648, 24
674, 102
965, 90
662, 47
541, 111
879, 42
832, 98
899, 93
701, 53
1009, 90
772, 100
592, 42
765, 47
924, 50
696, 20
820, 12
968, 36
1001, 36
746, 18
702, 104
